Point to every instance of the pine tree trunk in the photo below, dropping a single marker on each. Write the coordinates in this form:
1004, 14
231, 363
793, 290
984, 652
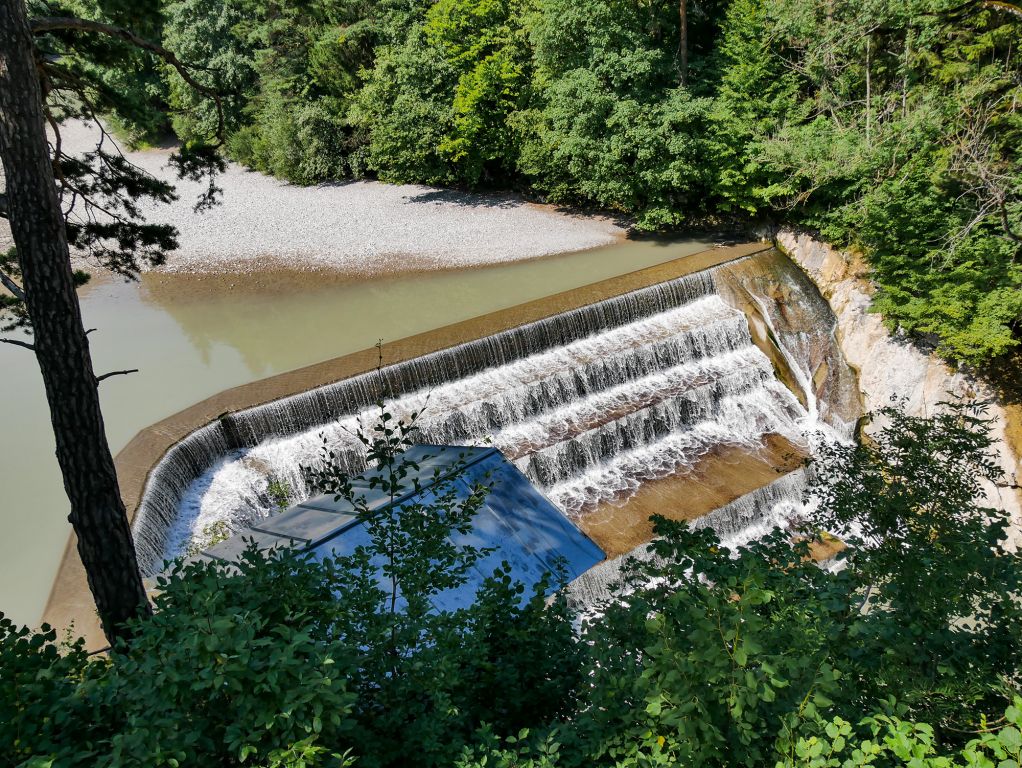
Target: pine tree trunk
683, 41
869, 90
61, 345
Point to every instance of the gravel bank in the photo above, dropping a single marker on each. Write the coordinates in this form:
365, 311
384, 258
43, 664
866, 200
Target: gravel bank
359, 228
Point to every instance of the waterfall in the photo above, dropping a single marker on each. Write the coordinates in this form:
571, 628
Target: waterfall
744, 519
801, 327
589, 404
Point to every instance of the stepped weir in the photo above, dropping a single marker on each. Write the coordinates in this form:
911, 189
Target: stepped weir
681, 388
592, 404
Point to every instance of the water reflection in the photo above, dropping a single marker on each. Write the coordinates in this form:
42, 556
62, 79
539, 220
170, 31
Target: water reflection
279, 321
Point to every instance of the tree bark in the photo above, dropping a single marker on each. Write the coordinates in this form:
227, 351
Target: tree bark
683, 41
61, 345
869, 88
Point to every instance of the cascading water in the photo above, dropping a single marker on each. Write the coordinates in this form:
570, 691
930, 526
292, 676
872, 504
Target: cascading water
800, 329
746, 518
589, 404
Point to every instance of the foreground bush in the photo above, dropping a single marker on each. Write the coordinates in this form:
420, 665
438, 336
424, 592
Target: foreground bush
266, 667
705, 656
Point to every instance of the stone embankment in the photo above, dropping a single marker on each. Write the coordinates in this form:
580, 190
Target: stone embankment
889, 366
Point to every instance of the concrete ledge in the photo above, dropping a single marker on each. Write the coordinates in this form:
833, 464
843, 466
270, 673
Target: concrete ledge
70, 602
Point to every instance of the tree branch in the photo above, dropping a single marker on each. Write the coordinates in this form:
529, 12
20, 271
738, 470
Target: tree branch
115, 373
1006, 224
865, 599
56, 23
11, 286
1011, 8
973, 5
15, 342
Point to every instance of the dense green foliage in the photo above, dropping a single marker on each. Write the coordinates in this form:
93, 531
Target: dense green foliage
891, 127
123, 81
906, 146
705, 656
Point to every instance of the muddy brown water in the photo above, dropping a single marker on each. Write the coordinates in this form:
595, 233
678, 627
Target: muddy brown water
719, 478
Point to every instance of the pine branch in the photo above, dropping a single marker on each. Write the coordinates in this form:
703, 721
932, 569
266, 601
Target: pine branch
58, 23
17, 343
115, 373
971, 6
1011, 8
11, 286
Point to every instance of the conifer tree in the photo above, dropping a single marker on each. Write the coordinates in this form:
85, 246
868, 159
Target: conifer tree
55, 67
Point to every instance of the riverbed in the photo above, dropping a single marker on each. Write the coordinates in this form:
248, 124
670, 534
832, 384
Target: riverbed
192, 335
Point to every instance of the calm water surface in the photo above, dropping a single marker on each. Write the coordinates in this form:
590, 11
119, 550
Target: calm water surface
189, 347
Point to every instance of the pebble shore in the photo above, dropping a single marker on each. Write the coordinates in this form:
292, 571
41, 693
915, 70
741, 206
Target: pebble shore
361, 228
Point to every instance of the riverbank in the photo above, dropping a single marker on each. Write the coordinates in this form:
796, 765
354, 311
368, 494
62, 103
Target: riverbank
891, 368
358, 228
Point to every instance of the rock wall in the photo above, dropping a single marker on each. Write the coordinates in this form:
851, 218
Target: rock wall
892, 367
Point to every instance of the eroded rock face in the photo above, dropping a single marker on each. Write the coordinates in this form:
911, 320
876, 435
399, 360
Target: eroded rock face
793, 324
890, 367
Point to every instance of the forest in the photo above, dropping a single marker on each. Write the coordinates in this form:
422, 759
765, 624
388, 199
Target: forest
887, 126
